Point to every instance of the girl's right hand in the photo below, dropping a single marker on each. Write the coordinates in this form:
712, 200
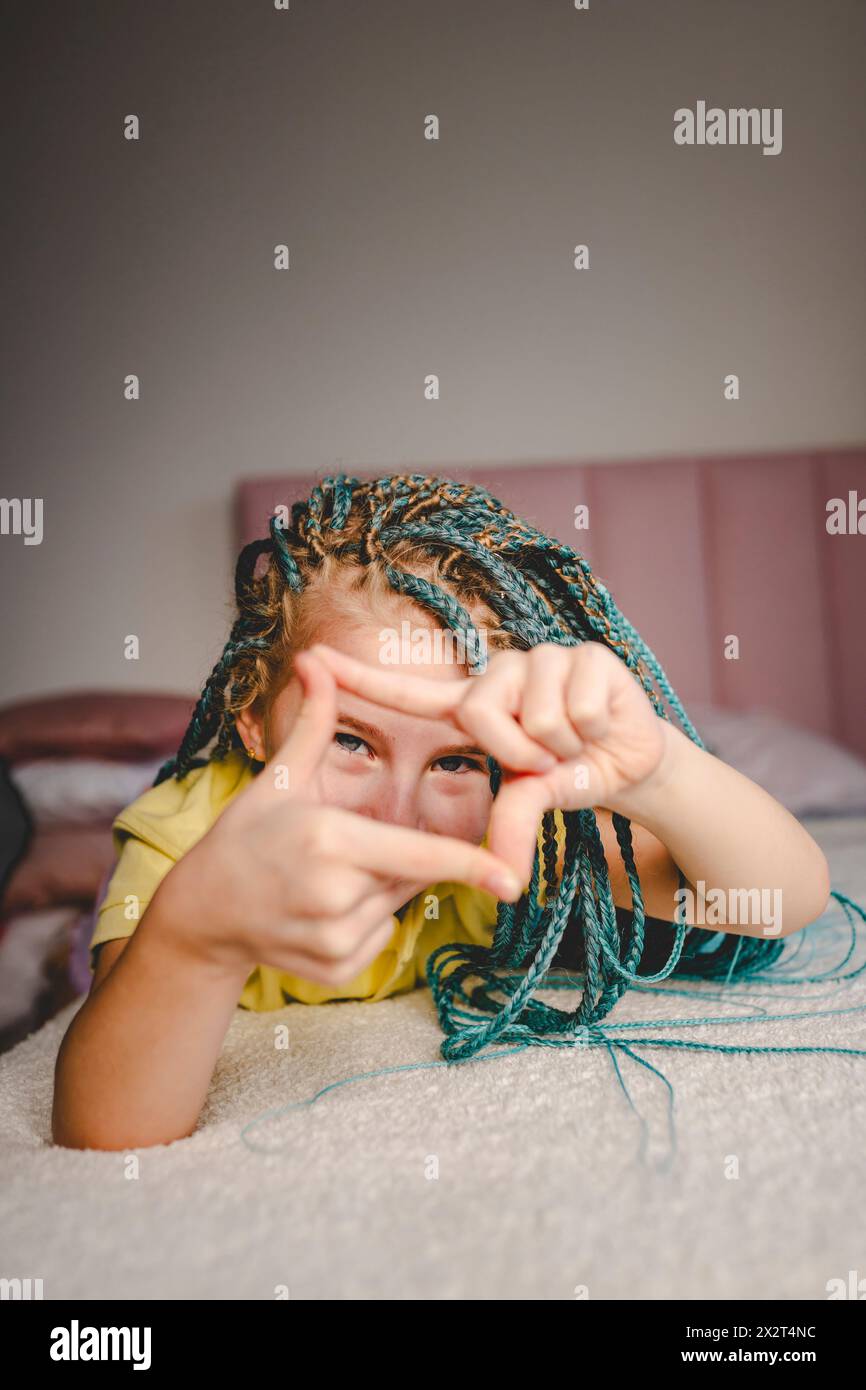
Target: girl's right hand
282, 880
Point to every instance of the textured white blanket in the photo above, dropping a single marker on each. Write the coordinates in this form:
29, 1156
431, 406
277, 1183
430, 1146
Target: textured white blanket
517, 1177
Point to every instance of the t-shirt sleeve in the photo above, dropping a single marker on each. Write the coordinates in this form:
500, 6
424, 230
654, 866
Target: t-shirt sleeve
139, 871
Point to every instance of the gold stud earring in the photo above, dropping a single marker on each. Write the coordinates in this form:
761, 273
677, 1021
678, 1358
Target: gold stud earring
252, 752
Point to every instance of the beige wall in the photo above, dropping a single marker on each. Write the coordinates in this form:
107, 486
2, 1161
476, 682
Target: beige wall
408, 257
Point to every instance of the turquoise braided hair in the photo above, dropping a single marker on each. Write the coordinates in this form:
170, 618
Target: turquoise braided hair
539, 590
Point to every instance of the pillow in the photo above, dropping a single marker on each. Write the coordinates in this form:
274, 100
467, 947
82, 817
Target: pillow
96, 724
16, 825
28, 945
80, 973
62, 791
809, 774
61, 866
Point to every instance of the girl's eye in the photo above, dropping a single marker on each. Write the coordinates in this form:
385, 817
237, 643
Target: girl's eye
469, 764
353, 739
453, 763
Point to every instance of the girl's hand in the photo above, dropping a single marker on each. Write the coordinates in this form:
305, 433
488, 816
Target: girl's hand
570, 726
282, 880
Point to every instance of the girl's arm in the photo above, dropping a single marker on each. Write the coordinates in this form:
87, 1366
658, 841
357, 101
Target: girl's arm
726, 833
657, 872
137, 1060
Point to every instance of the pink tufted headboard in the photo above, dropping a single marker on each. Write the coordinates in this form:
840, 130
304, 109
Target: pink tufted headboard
693, 550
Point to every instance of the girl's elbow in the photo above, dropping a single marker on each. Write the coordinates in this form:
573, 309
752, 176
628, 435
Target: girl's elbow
815, 899
823, 887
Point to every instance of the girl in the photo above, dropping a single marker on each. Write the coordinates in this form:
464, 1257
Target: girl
362, 821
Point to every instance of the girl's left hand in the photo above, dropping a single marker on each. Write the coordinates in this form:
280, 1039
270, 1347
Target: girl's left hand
571, 727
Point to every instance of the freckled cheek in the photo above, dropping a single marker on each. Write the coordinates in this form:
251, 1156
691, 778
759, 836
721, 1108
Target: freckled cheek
460, 810
348, 785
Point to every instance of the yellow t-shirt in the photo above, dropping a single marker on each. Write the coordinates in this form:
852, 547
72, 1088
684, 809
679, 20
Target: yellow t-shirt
152, 833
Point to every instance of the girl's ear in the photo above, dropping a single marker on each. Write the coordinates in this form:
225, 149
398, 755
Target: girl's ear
250, 726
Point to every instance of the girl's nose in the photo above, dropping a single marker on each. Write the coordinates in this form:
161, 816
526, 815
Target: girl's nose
397, 804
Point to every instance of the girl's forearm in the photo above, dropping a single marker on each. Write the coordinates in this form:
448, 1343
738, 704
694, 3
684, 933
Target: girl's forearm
726, 833
134, 1068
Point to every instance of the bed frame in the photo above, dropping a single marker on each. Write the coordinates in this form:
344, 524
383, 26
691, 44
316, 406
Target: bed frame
694, 550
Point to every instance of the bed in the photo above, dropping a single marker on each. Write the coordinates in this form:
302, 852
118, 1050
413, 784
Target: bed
525, 1176
356, 1165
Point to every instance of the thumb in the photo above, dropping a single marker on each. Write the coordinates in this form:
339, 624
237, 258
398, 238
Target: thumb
312, 733
512, 832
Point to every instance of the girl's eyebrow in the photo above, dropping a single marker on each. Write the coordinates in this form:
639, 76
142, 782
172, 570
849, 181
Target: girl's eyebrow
370, 731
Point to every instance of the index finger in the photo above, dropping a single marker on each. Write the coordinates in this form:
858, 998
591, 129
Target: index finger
393, 851
410, 694
311, 734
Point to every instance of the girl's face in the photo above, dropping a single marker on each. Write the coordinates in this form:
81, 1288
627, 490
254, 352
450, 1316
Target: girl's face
382, 763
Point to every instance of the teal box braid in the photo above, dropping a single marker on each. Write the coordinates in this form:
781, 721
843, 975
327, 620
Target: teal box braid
540, 590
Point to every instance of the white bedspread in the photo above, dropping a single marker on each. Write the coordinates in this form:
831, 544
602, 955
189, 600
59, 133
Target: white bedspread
540, 1188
